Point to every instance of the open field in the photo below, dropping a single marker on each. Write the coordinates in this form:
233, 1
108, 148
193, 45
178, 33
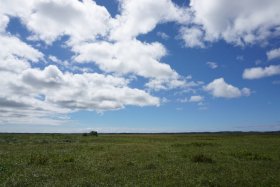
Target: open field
140, 160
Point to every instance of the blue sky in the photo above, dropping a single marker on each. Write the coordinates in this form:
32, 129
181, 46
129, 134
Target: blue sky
139, 66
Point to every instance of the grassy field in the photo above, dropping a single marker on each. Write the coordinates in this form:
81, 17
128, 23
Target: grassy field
140, 160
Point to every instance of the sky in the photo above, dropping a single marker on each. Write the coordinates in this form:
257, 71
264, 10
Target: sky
139, 66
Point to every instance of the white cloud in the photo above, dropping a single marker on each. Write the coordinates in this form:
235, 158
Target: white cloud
213, 20
212, 65
163, 35
131, 57
50, 78
259, 72
126, 57
85, 20
50, 92
15, 54
3, 22
13, 47
89, 91
63, 64
164, 100
193, 37
193, 99
33, 95
54, 59
168, 83
184, 100
273, 54
196, 98
204, 21
219, 88
50, 19
140, 17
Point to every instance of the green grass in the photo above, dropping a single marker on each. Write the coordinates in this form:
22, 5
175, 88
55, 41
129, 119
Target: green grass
140, 160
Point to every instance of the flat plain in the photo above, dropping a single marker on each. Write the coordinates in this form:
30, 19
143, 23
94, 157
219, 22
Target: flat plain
225, 159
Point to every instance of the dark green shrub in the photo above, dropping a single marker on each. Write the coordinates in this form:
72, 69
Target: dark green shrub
130, 164
151, 166
93, 133
68, 141
68, 159
85, 134
201, 158
2, 168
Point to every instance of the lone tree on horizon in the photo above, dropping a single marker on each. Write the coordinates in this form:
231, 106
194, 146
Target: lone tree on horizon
93, 133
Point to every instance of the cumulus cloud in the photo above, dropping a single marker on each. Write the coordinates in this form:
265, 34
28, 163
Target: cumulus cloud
125, 57
203, 21
140, 17
259, 72
131, 57
213, 20
50, 19
15, 55
219, 88
46, 96
192, 36
49, 92
108, 42
50, 77
273, 54
12, 47
3, 22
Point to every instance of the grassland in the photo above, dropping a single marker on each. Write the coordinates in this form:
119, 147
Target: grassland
140, 160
